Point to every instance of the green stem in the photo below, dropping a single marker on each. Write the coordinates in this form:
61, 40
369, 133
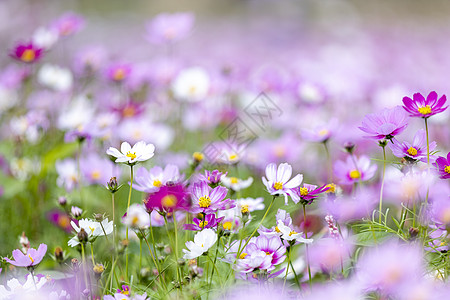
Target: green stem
179, 276
154, 259
92, 254
113, 269
382, 183
128, 206
83, 259
306, 247
287, 267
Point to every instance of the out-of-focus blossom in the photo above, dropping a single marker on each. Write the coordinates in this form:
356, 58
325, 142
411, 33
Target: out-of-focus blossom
440, 210
310, 93
253, 291
329, 254
93, 229
150, 181
345, 290
307, 193
409, 187
321, 133
14, 289
420, 107
55, 77
438, 241
96, 170
60, 219
44, 37
208, 200
203, 240
236, 184
136, 217
27, 52
118, 72
89, 60
349, 173
443, 166
279, 182
191, 84
417, 150
209, 221
166, 28
68, 176
141, 129
68, 24
132, 155
386, 124
168, 198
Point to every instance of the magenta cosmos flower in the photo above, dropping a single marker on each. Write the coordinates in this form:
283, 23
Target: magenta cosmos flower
209, 221
417, 150
385, 124
418, 106
349, 173
27, 53
307, 193
279, 179
208, 200
443, 166
31, 258
168, 198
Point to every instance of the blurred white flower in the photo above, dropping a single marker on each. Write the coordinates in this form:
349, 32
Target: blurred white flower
191, 84
67, 174
137, 217
54, 77
235, 183
16, 289
44, 37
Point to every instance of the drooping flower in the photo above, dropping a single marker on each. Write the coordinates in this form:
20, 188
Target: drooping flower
209, 221
167, 28
385, 124
279, 180
136, 217
132, 155
26, 52
203, 240
417, 150
152, 180
168, 198
208, 200
31, 258
93, 229
443, 166
236, 184
420, 107
307, 193
349, 173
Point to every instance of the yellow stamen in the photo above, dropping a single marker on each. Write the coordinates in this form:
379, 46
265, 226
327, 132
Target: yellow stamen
119, 74
332, 188
354, 174
292, 232
92, 229
198, 156
227, 225
131, 155
268, 253
277, 229
425, 110
243, 255
244, 209
278, 185
128, 111
323, 132
233, 157
303, 191
412, 151
28, 55
96, 175
169, 201
134, 220
157, 183
202, 224
63, 221
279, 151
204, 201
447, 169
32, 260
234, 180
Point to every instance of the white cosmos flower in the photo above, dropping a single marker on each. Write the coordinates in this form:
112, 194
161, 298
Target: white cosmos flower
191, 84
44, 37
16, 289
131, 155
92, 228
289, 234
236, 184
203, 240
55, 77
137, 217
251, 204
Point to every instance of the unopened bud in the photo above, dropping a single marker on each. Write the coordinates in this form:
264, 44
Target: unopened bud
413, 232
62, 201
82, 236
76, 212
349, 147
59, 254
98, 217
112, 185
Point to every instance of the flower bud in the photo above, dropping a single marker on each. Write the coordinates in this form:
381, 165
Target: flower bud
112, 185
98, 270
76, 212
413, 233
59, 254
349, 147
98, 217
82, 236
62, 201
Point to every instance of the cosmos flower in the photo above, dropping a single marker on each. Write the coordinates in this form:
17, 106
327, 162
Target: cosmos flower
289, 234
208, 200
16, 290
55, 77
250, 204
68, 24
440, 210
236, 184
203, 240
136, 217
118, 72
443, 166
93, 229
348, 173
420, 107
279, 180
44, 37
212, 177
385, 124
27, 52
209, 221
151, 181
417, 150
132, 155
330, 254
321, 133
166, 28
68, 176
307, 193
32, 258
191, 85
168, 198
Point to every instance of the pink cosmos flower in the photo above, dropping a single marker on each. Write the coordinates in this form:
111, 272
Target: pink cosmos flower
209, 221
166, 28
208, 200
31, 258
420, 107
417, 150
168, 198
118, 72
443, 166
26, 52
151, 181
307, 193
348, 173
212, 177
279, 180
385, 124
68, 24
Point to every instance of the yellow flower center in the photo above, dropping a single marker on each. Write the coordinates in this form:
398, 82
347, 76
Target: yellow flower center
442, 244
128, 111
354, 174
412, 151
92, 229
204, 201
96, 175
278, 185
32, 260
303, 191
131, 155
332, 188
134, 220
233, 157
202, 224
447, 169
63, 221
198, 156
292, 232
157, 183
243, 255
277, 229
169, 201
425, 110
268, 253
28, 55
446, 216
119, 74
279, 151
244, 209
227, 225
234, 180
323, 132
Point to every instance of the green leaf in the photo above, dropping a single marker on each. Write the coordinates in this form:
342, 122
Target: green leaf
370, 238
59, 152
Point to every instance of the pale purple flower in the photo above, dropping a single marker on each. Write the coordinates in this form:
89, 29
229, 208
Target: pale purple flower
348, 173
150, 181
209, 221
329, 254
68, 24
165, 28
212, 177
279, 182
385, 124
208, 200
96, 170
417, 150
68, 176
31, 258
321, 133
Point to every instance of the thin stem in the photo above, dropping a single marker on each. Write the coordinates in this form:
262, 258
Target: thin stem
254, 231
154, 259
428, 159
32, 277
330, 165
128, 206
382, 183
140, 256
287, 267
113, 269
176, 250
92, 254
83, 258
306, 247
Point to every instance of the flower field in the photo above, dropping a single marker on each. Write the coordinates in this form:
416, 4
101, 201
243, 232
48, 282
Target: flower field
224, 151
